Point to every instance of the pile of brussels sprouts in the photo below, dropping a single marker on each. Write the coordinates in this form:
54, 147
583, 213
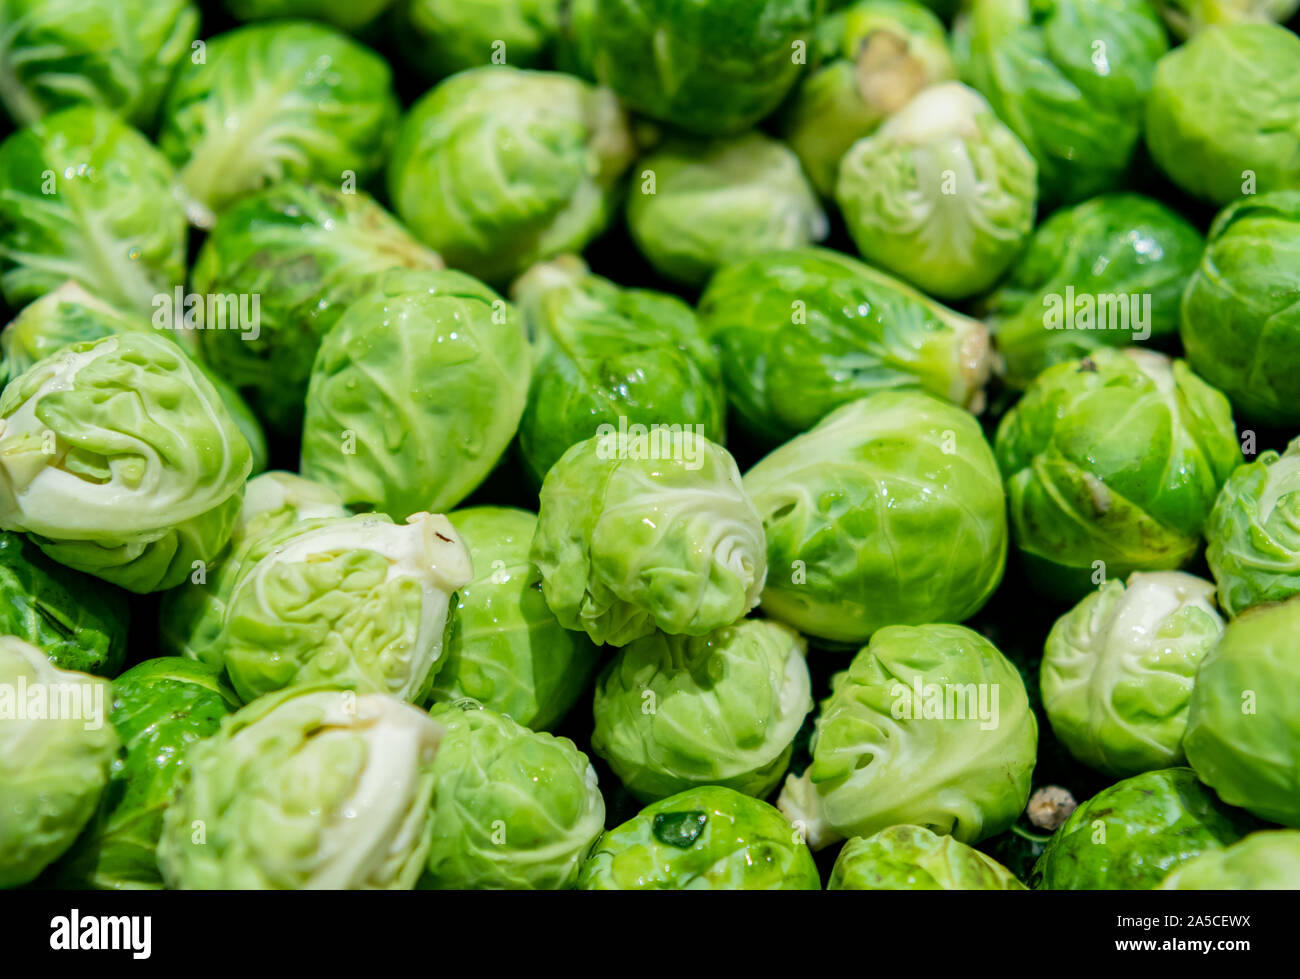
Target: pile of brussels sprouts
644, 444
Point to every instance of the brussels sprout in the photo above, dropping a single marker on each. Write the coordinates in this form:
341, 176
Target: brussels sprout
118, 456
1241, 310
290, 100
1223, 119
88, 198
512, 809
69, 314
1253, 534
1107, 272
190, 615
930, 725
696, 205
1111, 465
504, 648
1133, 834
306, 252
1117, 670
1268, 861
349, 601
710, 68
497, 168
415, 393
160, 708
441, 37
307, 788
708, 838
639, 532
55, 749
889, 512
1188, 17
911, 858
605, 355
676, 712
347, 14
78, 622
942, 193
1243, 729
802, 332
877, 54
119, 54
1070, 77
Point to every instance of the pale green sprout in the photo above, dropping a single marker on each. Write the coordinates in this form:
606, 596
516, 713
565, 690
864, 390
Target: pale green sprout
66, 315
930, 726
307, 789
352, 601
277, 499
1223, 118
120, 459
1243, 727
1118, 261
855, 509
56, 746
1118, 669
496, 168
513, 809
697, 205
647, 531
675, 712
942, 194
416, 392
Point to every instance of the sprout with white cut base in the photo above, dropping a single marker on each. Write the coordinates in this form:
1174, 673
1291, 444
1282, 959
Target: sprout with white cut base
359, 601
929, 726
676, 712
308, 788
